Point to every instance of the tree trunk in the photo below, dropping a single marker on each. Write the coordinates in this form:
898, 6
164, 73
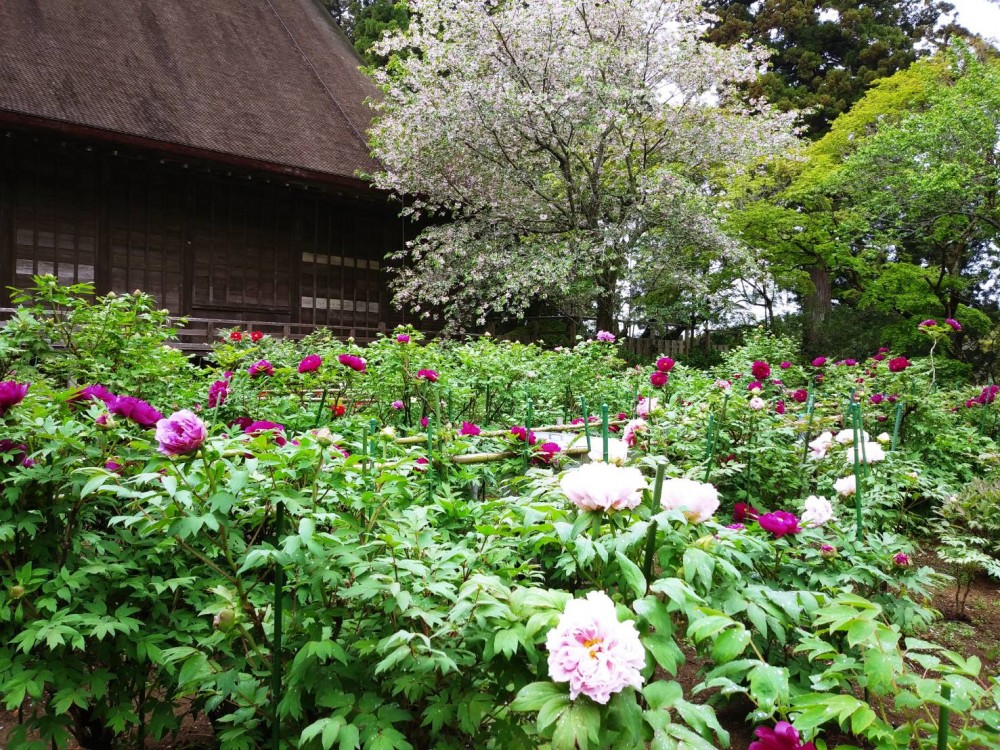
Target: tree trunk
815, 307
607, 305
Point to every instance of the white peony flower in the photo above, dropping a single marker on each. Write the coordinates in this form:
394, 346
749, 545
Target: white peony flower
601, 486
871, 453
697, 500
885, 438
757, 403
846, 486
820, 446
818, 511
846, 437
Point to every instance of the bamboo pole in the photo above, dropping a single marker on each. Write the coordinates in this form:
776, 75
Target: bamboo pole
415, 439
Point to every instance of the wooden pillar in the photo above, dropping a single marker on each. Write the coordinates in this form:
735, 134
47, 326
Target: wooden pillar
103, 260
7, 252
187, 250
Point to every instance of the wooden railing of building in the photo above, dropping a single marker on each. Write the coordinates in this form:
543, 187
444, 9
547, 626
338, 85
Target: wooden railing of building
647, 348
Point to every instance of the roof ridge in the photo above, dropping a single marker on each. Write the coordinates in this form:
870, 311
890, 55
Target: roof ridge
317, 76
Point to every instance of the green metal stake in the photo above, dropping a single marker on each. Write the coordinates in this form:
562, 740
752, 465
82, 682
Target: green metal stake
810, 407
860, 432
431, 474
604, 429
586, 421
279, 586
647, 565
895, 428
709, 445
986, 408
943, 715
364, 451
857, 487
448, 402
527, 432
319, 411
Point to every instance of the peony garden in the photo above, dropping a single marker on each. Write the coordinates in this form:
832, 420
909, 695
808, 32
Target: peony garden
484, 544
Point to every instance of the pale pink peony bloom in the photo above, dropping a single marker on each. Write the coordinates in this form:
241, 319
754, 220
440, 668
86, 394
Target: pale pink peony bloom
846, 486
757, 403
724, 385
697, 500
606, 336
820, 446
597, 655
646, 405
632, 430
846, 437
872, 453
818, 511
601, 486
182, 432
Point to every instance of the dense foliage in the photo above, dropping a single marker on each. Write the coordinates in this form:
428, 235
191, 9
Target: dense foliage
434, 575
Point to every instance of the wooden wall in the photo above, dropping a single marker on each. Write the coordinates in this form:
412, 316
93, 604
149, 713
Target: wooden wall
204, 243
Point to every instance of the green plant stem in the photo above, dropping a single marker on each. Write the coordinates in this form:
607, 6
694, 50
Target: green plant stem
604, 430
279, 585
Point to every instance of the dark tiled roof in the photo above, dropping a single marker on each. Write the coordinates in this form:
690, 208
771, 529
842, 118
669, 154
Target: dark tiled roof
272, 81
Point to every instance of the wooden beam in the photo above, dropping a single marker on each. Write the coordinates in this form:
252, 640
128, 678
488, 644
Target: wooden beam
7, 255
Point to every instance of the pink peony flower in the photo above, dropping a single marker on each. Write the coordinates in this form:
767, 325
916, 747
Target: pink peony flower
821, 445
631, 432
113, 466
398, 405
779, 523
469, 429
779, 408
349, 360
724, 385
218, 392
424, 421
645, 406
846, 486
275, 430
955, 325
422, 464
606, 336
760, 370
261, 368
603, 486
96, 392
800, 396
11, 394
819, 362
697, 500
182, 432
403, 338
785, 365
818, 511
755, 386
901, 559
665, 364
430, 376
756, 403
597, 655
898, 364
135, 409
310, 363
929, 323
522, 434
783, 737
547, 452
658, 379
884, 350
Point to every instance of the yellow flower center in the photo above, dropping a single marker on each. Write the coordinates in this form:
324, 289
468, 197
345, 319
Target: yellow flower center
592, 645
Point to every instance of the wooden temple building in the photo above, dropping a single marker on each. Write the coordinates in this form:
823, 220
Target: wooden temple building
207, 153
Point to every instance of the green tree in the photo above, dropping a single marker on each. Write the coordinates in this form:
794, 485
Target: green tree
826, 53
372, 19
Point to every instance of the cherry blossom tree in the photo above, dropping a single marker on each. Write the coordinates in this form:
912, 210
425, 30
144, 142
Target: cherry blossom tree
567, 150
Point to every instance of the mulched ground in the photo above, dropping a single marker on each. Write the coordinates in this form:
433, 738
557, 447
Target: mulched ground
977, 632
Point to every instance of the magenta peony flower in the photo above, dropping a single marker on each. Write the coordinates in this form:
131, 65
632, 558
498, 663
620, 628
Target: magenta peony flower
94, 392
898, 364
760, 370
929, 323
658, 379
218, 392
398, 405
785, 365
349, 360
402, 338
783, 737
779, 408
11, 394
17, 451
850, 362
548, 451
800, 396
469, 429
261, 368
884, 350
424, 421
430, 376
819, 362
135, 409
877, 398
606, 336
755, 385
955, 325
878, 358
275, 430
779, 523
988, 395
310, 363
522, 434
182, 432
743, 511
113, 466
901, 559
665, 364
597, 655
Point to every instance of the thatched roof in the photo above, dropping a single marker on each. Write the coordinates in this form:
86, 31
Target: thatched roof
273, 84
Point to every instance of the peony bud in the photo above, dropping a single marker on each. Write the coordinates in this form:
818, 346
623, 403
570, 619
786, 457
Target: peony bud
225, 620
16, 592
